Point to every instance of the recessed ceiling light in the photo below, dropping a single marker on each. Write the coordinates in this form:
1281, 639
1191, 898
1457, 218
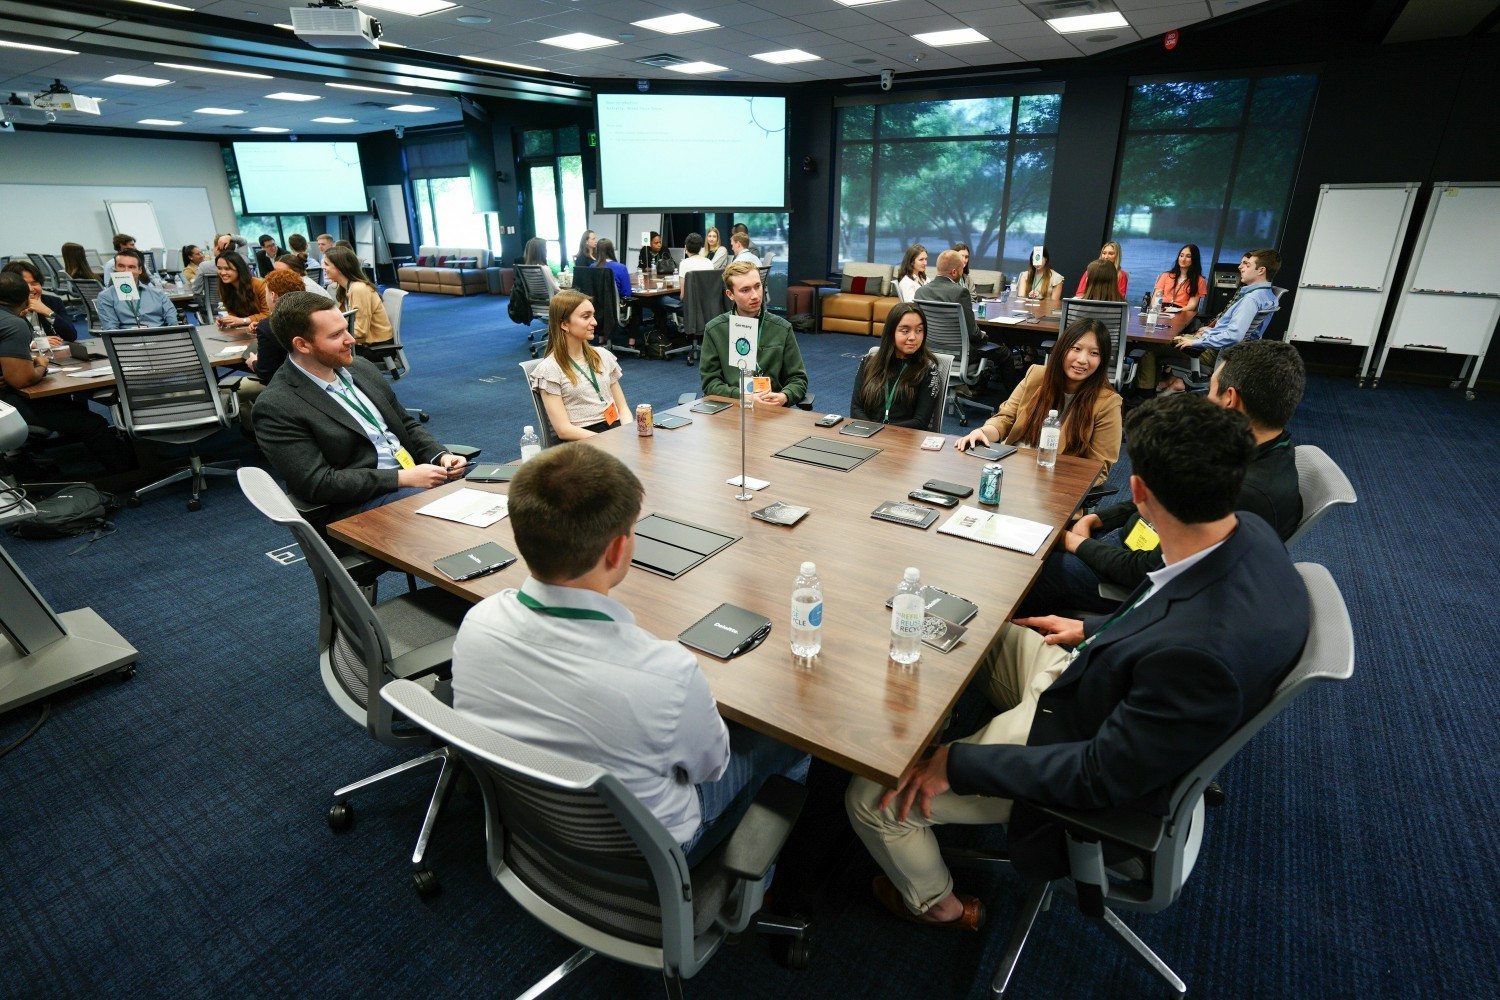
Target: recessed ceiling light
136, 81
1087, 22
472, 19
861, 3
955, 36
698, 67
162, 3
675, 24
413, 8
288, 95
786, 57
413, 108
157, 121
216, 111
502, 62
38, 48
335, 121
371, 90
579, 41
269, 128
220, 72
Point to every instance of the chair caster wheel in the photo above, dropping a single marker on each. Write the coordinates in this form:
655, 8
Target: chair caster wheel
963, 421
796, 953
1213, 795
133, 500
195, 504
126, 672
426, 883
424, 416
340, 816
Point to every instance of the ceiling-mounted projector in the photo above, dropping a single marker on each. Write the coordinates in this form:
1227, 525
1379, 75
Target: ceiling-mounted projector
334, 26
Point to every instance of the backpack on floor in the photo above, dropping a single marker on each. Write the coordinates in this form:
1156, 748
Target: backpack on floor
519, 309
77, 510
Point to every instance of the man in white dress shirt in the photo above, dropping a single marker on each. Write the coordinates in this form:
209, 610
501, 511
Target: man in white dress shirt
562, 666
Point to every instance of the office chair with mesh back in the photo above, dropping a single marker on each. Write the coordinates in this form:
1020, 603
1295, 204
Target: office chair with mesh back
538, 297
208, 296
1150, 857
703, 298
390, 356
1114, 316
946, 335
581, 854
544, 430
166, 392
88, 290
362, 648
598, 283
944, 372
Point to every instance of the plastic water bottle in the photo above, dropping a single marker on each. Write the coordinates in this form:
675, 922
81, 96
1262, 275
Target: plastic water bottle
807, 612
531, 445
1153, 309
1046, 445
908, 611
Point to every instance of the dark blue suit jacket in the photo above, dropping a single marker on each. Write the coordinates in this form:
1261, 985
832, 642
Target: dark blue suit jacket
1150, 696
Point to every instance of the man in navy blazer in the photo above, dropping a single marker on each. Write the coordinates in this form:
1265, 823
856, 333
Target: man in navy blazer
329, 422
1144, 695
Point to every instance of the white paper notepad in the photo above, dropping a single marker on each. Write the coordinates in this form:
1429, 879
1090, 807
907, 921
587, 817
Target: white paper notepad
477, 507
997, 529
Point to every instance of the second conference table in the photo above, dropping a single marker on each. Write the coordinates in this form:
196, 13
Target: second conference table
1044, 318
850, 705
62, 379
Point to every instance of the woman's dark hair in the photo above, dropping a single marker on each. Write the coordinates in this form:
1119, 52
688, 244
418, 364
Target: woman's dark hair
239, 297
13, 290
604, 250
968, 250
1194, 271
20, 266
348, 265
295, 261
884, 365
1102, 282
909, 260
1078, 419
583, 244
535, 251
1031, 274
76, 262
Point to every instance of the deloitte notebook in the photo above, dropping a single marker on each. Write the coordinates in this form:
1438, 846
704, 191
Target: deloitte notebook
478, 561
727, 631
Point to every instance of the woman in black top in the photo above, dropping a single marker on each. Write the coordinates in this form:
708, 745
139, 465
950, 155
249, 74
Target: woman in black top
585, 256
899, 383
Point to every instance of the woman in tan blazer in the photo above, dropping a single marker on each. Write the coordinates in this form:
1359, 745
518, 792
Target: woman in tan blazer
1075, 382
355, 291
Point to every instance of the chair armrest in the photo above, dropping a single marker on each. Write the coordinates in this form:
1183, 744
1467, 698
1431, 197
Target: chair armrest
1131, 827
755, 843
807, 403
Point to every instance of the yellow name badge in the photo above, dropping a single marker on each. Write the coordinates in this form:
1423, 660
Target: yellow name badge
403, 458
1142, 537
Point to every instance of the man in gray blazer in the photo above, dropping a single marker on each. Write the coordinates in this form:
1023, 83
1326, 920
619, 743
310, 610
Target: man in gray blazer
946, 288
329, 422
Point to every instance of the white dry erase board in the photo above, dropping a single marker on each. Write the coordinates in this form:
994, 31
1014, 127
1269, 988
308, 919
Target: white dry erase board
138, 219
1350, 265
1450, 301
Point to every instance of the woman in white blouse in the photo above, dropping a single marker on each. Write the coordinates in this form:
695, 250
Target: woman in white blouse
913, 272
579, 383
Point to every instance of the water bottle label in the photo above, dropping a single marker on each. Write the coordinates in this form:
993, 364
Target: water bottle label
907, 616
806, 615
1049, 439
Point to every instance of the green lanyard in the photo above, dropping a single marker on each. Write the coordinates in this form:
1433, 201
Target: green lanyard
585, 614
1084, 644
359, 407
890, 395
592, 378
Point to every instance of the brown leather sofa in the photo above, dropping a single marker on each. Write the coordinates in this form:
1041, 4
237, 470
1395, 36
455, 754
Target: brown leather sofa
864, 310
454, 271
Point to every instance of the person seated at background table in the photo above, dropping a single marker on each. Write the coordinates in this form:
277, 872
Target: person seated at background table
585, 255
1183, 284
899, 384
298, 266
1075, 383
297, 244
330, 423
744, 230
739, 246
1263, 379
965, 279
655, 258
944, 287
1040, 282
52, 317
535, 253
563, 667
579, 383
265, 257
75, 262
605, 251
692, 255
1143, 696
124, 241
1112, 254
1100, 283
714, 251
912, 274
154, 308
325, 243
267, 355
777, 356
372, 325
229, 241
192, 256
19, 370
1234, 324
242, 295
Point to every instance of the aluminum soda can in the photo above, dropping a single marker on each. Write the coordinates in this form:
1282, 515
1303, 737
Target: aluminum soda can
643, 425
989, 484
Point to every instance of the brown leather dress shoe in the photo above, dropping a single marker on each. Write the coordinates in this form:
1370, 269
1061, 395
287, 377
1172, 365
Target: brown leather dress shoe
971, 919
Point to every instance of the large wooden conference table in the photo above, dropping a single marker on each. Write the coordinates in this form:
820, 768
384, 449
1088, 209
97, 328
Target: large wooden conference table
1043, 317
850, 705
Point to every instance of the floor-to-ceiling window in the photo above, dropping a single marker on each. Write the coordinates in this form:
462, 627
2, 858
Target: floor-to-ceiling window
439, 171
1207, 161
972, 170
559, 208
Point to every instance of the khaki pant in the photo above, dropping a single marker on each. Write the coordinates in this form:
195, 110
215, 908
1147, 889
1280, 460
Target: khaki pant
249, 388
1018, 668
1153, 359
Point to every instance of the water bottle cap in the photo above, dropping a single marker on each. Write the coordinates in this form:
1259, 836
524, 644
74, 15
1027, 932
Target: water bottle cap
529, 429
808, 569
912, 573
1051, 413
